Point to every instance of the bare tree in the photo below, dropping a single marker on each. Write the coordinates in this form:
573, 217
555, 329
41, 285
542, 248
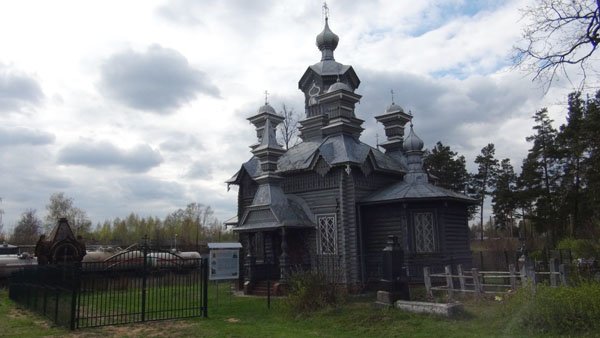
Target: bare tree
288, 129
27, 229
559, 34
61, 205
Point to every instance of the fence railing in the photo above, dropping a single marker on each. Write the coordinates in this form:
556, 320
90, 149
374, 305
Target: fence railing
489, 282
134, 286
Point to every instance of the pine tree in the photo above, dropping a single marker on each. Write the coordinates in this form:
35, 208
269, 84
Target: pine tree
540, 176
504, 199
484, 180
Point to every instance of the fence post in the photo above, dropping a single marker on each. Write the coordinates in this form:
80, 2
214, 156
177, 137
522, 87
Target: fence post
144, 277
563, 274
427, 280
476, 283
449, 281
74, 295
533, 279
513, 277
205, 287
461, 278
552, 266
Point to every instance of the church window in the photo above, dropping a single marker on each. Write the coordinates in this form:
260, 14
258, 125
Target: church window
327, 234
424, 232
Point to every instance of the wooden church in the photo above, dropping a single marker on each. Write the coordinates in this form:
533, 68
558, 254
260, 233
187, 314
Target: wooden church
330, 202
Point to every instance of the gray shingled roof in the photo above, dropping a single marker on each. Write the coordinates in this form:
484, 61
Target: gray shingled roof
413, 191
284, 211
336, 149
329, 67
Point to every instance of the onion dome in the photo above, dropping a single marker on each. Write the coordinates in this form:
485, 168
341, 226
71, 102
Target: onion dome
266, 109
338, 86
327, 39
412, 142
394, 108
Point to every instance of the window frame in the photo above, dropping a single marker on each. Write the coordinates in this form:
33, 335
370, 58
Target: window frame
320, 234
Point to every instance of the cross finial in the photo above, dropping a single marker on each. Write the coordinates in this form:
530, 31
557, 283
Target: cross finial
411, 118
266, 97
392, 92
325, 10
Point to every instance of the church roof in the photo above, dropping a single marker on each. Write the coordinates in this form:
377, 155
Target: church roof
335, 150
284, 210
414, 191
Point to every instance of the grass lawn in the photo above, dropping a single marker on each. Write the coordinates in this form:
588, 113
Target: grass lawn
233, 316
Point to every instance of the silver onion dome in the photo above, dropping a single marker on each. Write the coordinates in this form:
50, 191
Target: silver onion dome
266, 109
412, 142
327, 39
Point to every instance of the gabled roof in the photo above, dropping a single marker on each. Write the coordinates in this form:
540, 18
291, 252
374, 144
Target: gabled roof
286, 210
336, 149
403, 191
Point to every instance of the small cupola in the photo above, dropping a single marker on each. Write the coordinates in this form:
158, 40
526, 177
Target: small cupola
327, 42
412, 142
393, 119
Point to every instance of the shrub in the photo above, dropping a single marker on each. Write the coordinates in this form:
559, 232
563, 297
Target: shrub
557, 310
580, 248
309, 291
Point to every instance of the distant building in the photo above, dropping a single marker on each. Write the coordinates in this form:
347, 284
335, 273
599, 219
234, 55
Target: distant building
332, 199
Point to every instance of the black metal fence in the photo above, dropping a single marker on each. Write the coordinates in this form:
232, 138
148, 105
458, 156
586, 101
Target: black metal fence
133, 286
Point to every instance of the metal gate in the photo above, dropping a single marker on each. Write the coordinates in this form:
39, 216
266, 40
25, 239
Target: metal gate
131, 286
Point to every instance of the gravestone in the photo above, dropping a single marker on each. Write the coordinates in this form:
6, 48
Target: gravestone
394, 284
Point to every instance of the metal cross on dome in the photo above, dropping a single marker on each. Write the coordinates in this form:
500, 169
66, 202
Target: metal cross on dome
266, 97
392, 92
325, 10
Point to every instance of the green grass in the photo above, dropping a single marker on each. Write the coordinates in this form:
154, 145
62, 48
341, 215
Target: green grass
233, 316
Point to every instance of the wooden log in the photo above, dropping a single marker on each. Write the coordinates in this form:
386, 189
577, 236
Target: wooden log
427, 280
513, 277
449, 281
461, 278
477, 286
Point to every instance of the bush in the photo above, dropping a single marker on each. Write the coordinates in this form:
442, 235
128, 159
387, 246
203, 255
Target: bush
580, 248
309, 291
557, 310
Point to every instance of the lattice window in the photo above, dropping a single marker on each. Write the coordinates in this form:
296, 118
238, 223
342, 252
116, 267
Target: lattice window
327, 236
424, 232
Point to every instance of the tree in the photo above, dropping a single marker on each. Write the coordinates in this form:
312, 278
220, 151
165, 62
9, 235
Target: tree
559, 34
447, 166
28, 228
484, 180
504, 201
571, 148
62, 206
540, 176
288, 129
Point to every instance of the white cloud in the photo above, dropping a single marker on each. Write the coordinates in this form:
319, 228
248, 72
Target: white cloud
204, 73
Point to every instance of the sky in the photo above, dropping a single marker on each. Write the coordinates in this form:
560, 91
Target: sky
141, 106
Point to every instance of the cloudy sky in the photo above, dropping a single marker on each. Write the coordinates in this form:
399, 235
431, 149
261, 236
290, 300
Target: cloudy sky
141, 105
